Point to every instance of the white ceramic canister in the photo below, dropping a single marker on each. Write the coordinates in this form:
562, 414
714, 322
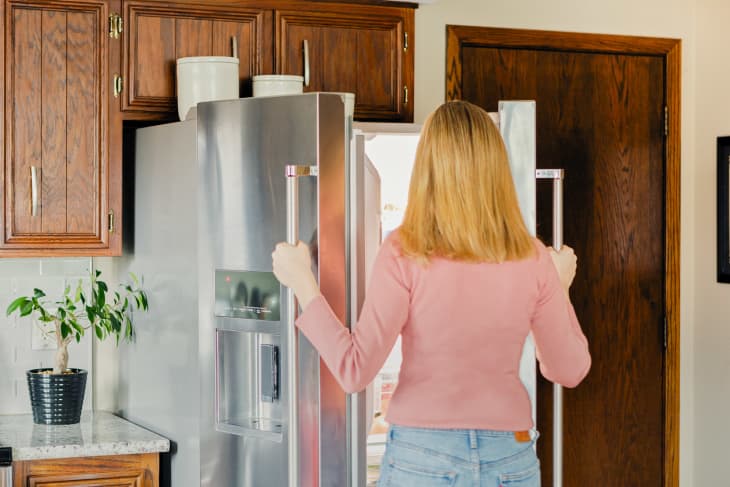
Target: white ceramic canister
205, 78
277, 84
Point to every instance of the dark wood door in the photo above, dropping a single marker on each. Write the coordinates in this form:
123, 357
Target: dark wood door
159, 34
56, 171
601, 117
357, 49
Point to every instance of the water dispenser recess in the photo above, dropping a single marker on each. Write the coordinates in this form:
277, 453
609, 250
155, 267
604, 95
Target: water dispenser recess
247, 384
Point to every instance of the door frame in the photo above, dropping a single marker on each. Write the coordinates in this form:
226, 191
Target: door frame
458, 37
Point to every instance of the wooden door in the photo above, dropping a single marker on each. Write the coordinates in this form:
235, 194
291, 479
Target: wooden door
56, 170
601, 116
358, 49
159, 34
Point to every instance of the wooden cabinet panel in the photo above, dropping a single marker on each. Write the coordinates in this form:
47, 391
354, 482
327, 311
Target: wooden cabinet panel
159, 34
111, 471
357, 49
55, 128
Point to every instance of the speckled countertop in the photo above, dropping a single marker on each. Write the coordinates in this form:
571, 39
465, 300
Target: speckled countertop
99, 433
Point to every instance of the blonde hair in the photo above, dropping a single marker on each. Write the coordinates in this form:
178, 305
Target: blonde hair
462, 202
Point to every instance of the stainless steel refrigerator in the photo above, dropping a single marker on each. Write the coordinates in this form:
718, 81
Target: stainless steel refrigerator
213, 362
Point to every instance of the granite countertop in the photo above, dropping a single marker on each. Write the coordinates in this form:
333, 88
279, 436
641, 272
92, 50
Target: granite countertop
99, 433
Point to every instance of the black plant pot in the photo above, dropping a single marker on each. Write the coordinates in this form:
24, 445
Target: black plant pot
56, 399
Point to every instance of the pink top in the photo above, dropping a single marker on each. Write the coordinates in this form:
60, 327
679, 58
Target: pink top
463, 327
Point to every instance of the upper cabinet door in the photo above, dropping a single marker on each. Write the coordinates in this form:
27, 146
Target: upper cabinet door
366, 50
55, 177
159, 34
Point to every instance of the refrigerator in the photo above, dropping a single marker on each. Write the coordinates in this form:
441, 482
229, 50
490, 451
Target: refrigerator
217, 366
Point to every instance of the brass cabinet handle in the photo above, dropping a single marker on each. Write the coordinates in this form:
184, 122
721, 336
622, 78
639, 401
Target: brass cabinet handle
118, 85
116, 25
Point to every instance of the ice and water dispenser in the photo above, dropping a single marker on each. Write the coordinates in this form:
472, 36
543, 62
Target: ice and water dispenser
248, 354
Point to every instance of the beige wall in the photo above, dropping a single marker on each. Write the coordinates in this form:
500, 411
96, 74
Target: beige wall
712, 305
660, 18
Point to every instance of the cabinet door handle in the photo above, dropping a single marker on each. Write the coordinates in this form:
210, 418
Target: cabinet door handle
118, 85
306, 62
33, 191
405, 95
116, 25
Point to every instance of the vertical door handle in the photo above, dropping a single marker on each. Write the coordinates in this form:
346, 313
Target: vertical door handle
557, 389
557, 175
405, 95
306, 62
33, 191
293, 173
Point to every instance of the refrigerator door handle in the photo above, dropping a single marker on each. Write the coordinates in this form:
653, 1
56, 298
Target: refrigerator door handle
557, 176
293, 173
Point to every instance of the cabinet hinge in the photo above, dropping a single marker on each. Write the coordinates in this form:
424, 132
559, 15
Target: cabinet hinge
118, 85
405, 42
111, 221
116, 25
666, 120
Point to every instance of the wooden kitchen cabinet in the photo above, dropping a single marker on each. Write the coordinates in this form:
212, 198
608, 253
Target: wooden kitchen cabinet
56, 166
140, 470
362, 49
159, 33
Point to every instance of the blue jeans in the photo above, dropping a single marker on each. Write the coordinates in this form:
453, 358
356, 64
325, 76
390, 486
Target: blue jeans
420, 457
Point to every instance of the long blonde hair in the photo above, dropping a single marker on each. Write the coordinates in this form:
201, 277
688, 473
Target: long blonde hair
462, 202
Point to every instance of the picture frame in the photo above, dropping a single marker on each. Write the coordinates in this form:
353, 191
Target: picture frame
723, 209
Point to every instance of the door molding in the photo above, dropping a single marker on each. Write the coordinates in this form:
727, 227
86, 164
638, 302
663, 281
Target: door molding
670, 50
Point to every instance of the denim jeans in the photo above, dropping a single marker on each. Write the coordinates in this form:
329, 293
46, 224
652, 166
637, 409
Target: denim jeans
420, 457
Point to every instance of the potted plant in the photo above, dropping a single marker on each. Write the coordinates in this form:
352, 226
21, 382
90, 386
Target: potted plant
57, 394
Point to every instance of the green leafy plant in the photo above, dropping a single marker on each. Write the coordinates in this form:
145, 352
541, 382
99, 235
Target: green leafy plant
108, 313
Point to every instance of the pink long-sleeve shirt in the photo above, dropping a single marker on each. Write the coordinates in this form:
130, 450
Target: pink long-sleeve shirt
463, 326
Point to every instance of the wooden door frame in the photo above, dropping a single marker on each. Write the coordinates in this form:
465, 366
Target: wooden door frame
670, 50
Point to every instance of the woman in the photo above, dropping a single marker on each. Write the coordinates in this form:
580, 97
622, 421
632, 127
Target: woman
463, 283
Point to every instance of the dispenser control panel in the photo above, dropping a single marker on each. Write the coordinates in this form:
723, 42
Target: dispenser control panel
247, 294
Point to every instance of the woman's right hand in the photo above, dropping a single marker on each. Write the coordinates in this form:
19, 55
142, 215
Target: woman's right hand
566, 263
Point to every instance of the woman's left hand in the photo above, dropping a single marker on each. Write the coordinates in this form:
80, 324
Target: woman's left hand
293, 268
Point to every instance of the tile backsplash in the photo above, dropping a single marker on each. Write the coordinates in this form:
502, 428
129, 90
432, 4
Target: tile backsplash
19, 277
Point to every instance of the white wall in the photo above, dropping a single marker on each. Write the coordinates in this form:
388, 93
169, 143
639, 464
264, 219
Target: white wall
712, 316
19, 277
658, 18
